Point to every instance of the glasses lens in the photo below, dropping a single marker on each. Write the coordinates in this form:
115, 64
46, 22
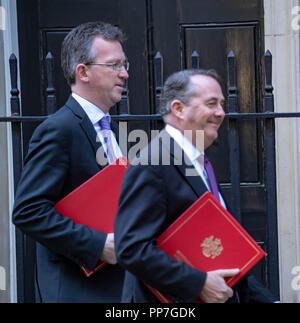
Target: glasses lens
116, 66
119, 67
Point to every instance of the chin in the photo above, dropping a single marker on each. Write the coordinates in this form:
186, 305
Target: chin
209, 140
117, 98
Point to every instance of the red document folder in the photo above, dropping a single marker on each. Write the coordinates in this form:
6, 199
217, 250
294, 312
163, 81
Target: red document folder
207, 237
95, 202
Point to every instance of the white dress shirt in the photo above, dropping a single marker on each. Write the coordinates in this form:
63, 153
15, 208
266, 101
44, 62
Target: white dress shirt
95, 114
192, 153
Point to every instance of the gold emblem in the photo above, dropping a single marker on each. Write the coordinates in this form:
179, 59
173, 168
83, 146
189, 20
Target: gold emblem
211, 248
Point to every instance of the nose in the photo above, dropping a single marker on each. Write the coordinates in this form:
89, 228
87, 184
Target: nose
220, 111
123, 73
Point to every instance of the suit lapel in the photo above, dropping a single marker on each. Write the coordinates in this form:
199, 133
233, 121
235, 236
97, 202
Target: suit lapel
85, 123
181, 161
91, 134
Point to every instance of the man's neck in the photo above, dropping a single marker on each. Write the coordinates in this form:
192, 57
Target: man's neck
87, 97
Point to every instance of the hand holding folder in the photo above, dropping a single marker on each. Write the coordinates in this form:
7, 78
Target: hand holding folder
108, 253
95, 202
207, 237
215, 289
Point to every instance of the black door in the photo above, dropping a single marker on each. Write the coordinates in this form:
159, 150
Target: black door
162, 37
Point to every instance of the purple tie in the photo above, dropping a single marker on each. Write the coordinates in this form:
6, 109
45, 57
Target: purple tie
214, 188
106, 131
211, 177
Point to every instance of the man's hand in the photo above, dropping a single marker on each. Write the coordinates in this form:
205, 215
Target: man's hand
108, 253
215, 289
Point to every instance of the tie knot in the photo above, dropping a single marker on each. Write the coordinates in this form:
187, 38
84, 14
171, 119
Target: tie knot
206, 161
104, 123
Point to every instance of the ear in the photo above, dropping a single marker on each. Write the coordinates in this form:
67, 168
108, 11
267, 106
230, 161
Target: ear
177, 108
82, 73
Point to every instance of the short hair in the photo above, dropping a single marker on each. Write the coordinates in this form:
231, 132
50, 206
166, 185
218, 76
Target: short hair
178, 87
77, 45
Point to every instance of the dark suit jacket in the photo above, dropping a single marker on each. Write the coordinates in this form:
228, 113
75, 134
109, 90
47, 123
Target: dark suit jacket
61, 156
152, 197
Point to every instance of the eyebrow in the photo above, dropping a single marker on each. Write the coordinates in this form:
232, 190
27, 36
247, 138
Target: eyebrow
215, 99
116, 60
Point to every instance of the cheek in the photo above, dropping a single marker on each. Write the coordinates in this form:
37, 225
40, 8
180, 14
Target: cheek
203, 119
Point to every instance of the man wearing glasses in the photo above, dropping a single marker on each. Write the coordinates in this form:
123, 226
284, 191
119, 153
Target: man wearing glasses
62, 156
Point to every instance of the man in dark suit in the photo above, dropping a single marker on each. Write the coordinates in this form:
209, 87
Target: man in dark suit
171, 175
61, 156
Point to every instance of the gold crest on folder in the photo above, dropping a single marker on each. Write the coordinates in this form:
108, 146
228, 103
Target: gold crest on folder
211, 248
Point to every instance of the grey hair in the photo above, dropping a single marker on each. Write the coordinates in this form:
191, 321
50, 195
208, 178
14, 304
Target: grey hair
178, 87
77, 46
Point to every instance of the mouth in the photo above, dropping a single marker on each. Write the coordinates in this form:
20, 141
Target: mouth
215, 124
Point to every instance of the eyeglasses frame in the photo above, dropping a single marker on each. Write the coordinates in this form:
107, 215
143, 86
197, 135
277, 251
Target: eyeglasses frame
113, 65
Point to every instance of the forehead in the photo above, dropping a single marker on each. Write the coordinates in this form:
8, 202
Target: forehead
206, 87
107, 49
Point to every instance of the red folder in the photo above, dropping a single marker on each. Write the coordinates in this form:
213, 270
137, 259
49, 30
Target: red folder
207, 237
95, 202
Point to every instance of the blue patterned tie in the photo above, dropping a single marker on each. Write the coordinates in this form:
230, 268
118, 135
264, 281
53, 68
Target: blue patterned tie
107, 134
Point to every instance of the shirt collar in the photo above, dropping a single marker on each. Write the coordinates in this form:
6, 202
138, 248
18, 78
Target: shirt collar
94, 113
185, 144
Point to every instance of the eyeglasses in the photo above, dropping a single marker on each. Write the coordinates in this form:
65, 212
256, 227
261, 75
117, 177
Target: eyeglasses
115, 66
